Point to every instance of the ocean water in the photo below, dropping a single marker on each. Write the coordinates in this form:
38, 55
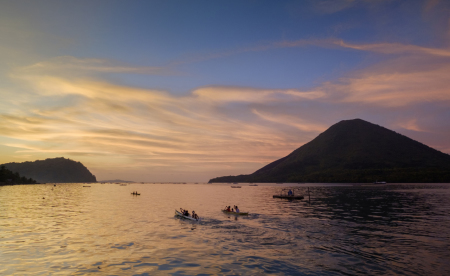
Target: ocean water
69, 229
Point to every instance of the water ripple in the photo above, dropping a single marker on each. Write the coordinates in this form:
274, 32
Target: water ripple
344, 230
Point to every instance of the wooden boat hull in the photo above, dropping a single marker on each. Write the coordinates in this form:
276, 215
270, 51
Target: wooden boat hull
288, 197
236, 214
177, 213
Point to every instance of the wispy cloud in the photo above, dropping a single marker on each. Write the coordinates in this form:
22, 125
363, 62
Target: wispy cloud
97, 118
394, 48
411, 124
89, 65
303, 125
242, 94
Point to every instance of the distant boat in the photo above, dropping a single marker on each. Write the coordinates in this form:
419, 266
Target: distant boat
235, 186
379, 182
83, 186
253, 185
288, 197
284, 194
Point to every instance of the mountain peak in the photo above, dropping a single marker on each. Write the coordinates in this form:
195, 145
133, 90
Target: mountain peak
355, 151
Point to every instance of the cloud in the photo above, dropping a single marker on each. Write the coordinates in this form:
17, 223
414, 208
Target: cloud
68, 110
394, 48
91, 118
394, 84
332, 6
296, 122
253, 95
411, 124
89, 65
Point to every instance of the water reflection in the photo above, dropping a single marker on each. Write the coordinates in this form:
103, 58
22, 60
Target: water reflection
389, 229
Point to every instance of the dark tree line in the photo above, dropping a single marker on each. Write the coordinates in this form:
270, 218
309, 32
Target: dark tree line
8, 177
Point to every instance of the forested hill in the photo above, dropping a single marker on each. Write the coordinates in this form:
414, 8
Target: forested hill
56, 170
355, 151
8, 177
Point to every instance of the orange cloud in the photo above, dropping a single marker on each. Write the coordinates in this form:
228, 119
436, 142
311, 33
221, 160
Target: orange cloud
393, 88
296, 122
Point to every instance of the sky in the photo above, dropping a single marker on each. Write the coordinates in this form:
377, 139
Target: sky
185, 91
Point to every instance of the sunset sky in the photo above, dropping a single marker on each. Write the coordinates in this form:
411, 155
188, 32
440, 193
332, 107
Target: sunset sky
191, 90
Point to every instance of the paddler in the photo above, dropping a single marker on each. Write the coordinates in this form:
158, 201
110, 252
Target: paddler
194, 215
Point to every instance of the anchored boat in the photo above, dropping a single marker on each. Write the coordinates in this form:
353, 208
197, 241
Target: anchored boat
285, 194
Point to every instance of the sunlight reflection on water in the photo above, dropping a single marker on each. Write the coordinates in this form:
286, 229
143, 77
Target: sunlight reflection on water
71, 229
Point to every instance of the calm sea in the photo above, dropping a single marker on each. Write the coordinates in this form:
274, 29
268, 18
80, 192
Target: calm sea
69, 229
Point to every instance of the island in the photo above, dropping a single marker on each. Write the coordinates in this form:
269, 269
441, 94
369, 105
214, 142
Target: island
53, 170
355, 151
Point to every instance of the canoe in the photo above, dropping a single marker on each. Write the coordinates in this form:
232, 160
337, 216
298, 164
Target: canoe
177, 213
288, 197
235, 186
234, 213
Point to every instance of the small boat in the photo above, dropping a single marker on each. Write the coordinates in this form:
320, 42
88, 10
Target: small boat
135, 193
234, 213
83, 186
379, 182
288, 197
253, 185
285, 194
178, 213
236, 187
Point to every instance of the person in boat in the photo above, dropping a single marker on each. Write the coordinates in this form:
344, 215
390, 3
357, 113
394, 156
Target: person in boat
194, 215
228, 209
290, 193
236, 208
184, 212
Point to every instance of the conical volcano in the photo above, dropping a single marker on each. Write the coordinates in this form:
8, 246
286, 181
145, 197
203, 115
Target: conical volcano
354, 151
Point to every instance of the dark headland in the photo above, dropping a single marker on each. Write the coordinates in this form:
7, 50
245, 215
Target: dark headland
53, 170
355, 151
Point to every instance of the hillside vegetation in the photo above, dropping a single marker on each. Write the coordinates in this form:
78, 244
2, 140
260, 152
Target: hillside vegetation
8, 177
53, 170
